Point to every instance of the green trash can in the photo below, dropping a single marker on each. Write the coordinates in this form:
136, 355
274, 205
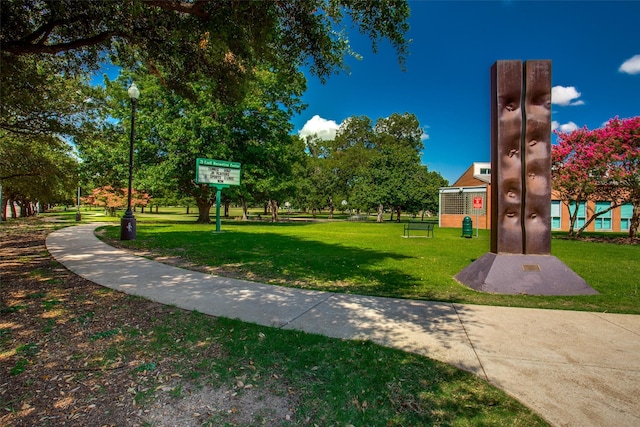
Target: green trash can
467, 227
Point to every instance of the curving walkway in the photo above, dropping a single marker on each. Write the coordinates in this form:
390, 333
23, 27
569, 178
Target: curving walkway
573, 368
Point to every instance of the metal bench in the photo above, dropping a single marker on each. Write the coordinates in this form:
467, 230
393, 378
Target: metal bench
421, 226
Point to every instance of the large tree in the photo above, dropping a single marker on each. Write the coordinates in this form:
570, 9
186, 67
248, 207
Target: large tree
46, 44
599, 165
35, 168
225, 42
622, 137
173, 131
374, 165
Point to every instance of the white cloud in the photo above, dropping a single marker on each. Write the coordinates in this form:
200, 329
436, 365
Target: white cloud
326, 129
564, 96
424, 135
322, 128
566, 128
631, 65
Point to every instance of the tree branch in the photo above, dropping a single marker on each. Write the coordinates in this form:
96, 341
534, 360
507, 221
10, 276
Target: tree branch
22, 48
42, 34
19, 175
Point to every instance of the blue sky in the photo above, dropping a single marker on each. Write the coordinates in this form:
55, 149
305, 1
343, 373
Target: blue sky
594, 48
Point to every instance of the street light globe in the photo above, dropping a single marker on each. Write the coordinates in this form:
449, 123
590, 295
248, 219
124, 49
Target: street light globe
133, 91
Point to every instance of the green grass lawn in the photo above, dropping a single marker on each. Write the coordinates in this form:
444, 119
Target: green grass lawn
163, 350
374, 259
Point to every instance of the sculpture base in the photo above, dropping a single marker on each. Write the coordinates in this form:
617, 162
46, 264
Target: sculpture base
523, 274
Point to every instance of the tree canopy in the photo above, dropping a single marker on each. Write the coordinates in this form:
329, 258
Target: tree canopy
35, 169
599, 165
173, 131
181, 42
373, 166
215, 52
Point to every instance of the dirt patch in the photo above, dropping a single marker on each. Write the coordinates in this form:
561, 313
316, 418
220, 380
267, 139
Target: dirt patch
61, 358
219, 407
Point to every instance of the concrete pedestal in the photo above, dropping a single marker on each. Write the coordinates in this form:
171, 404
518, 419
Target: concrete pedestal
523, 274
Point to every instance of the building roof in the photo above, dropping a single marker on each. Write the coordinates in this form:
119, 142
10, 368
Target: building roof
479, 173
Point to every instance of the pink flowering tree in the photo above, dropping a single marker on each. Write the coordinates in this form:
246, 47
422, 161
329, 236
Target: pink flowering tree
577, 169
622, 137
598, 165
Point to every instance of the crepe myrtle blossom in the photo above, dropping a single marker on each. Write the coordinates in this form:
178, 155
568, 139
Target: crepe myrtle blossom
598, 165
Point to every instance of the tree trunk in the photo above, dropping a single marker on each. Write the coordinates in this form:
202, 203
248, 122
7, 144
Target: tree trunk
14, 214
204, 206
274, 210
226, 208
204, 211
243, 201
398, 215
572, 217
380, 212
331, 207
273, 204
593, 218
635, 221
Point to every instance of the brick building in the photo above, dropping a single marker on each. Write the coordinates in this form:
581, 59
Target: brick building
457, 201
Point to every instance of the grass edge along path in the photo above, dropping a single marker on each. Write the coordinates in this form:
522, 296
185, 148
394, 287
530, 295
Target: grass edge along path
374, 259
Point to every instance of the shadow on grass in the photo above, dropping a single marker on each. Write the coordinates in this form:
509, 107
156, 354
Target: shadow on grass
428, 328
278, 258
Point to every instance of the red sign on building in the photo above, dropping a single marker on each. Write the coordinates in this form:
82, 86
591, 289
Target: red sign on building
477, 203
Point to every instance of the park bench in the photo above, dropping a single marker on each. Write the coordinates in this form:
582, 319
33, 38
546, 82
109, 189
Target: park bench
422, 226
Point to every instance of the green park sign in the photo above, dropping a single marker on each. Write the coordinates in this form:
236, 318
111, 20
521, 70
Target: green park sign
219, 174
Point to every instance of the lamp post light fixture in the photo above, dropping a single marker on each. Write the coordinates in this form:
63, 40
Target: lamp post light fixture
128, 221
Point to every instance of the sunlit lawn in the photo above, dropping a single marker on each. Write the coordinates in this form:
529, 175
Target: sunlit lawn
374, 259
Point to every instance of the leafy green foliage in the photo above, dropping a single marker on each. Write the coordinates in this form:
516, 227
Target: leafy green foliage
225, 43
373, 166
36, 168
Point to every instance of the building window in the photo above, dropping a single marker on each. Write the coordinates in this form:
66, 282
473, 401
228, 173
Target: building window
581, 218
485, 171
626, 212
461, 203
603, 222
556, 220
452, 203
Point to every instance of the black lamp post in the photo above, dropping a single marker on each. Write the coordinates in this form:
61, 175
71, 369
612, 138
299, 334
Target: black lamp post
128, 221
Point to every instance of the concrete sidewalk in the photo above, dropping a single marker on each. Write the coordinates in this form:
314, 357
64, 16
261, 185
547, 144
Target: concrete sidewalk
573, 368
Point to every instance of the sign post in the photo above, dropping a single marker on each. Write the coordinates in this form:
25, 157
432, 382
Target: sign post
477, 206
219, 174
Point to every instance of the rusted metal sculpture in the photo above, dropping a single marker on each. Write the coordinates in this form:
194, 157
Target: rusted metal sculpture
536, 147
520, 260
521, 153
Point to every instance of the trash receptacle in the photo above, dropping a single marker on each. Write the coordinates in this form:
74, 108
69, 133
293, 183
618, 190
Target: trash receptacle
467, 227
78, 216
